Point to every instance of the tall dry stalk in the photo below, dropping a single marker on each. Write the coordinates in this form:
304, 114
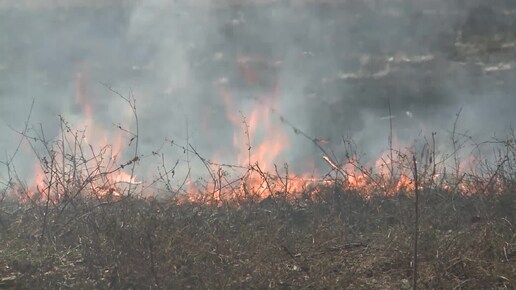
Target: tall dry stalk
416, 225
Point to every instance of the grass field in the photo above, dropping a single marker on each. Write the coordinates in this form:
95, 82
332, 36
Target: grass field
78, 230
339, 241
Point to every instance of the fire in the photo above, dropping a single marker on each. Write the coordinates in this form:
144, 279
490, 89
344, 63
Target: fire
258, 128
94, 133
259, 143
82, 161
40, 182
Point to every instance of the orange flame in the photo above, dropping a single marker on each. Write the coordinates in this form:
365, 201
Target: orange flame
110, 179
258, 143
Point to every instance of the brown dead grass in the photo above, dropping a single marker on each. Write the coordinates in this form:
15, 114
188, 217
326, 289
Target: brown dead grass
341, 242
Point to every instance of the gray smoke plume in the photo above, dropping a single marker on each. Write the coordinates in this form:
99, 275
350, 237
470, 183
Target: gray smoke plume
334, 67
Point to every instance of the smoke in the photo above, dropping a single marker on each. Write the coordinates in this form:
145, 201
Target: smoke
335, 69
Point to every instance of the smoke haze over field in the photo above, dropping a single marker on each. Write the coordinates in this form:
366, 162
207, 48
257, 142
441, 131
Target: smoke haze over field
333, 68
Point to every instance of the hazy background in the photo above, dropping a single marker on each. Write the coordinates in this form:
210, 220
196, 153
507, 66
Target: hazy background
336, 65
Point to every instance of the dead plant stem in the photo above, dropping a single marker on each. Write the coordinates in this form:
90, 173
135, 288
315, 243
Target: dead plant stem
416, 225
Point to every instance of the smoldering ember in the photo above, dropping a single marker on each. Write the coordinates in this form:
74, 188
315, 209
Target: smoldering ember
340, 144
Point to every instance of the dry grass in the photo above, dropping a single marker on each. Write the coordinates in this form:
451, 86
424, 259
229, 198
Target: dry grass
68, 237
345, 242
76, 233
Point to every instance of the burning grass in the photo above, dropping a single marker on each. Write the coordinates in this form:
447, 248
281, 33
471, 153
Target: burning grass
90, 232
89, 223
